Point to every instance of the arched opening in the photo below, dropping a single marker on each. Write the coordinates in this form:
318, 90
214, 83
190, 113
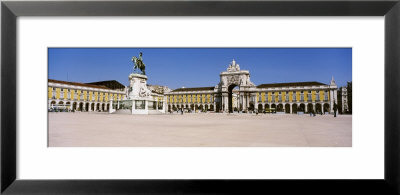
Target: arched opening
294, 108
74, 106
92, 107
52, 103
201, 107
174, 108
260, 108
87, 107
318, 108
251, 107
273, 108
108, 107
266, 107
81, 106
326, 108
102, 107
169, 108
212, 107
310, 108
279, 108
287, 108
230, 97
218, 106
206, 107
302, 108
191, 106
97, 106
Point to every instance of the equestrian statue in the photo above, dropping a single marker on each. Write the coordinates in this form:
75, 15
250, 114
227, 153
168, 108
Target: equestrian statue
139, 63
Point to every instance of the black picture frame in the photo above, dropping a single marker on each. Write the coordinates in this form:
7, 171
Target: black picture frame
10, 10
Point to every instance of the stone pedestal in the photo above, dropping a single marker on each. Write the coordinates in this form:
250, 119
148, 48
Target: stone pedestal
139, 93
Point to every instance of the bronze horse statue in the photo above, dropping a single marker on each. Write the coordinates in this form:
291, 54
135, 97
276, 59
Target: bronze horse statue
139, 63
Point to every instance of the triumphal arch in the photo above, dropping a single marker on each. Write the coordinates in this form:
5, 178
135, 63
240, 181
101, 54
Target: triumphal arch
229, 79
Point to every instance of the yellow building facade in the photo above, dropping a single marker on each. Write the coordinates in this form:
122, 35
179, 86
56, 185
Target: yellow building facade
235, 92
73, 96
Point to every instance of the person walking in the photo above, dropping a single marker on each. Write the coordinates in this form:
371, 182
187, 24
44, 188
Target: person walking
334, 109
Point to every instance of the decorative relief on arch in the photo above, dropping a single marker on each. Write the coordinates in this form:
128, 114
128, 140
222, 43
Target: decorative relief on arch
234, 79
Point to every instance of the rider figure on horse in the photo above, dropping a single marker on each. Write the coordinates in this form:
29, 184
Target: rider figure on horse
139, 63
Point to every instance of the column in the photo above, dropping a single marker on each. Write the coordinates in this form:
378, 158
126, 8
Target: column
225, 102
247, 101
256, 102
156, 105
291, 108
133, 106
331, 100
117, 105
314, 108
165, 107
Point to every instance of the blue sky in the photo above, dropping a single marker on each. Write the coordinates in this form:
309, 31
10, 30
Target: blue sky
200, 67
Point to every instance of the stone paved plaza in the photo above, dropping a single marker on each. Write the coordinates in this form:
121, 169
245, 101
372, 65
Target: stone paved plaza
201, 129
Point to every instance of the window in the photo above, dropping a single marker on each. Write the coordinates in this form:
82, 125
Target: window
280, 97
302, 97
294, 96
273, 97
309, 97
287, 97
317, 97
259, 97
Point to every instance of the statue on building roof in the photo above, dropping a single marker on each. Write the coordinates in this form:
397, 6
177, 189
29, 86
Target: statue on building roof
138, 63
233, 67
333, 82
